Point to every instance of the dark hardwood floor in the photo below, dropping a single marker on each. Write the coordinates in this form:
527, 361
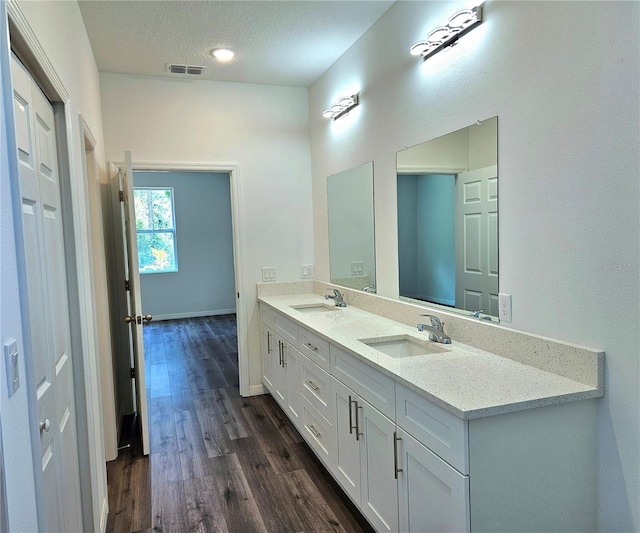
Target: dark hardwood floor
218, 462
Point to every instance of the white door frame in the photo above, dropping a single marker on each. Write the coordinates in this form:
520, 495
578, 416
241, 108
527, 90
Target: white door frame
77, 234
236, 222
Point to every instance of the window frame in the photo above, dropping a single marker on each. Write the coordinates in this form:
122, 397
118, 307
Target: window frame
172, 231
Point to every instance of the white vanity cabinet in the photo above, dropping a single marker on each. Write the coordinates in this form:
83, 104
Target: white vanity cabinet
432, 495
281, 362
364, 457
412, 466
270, 358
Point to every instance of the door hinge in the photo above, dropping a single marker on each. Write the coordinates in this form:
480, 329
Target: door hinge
121, 196
133, 373
127, 285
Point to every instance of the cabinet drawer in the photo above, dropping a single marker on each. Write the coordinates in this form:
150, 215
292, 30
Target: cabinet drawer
286, 327
266, 314
315, 348
316, 387
443, 433
318, 432
374, 387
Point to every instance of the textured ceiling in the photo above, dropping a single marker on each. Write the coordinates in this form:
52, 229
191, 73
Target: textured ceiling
288, 43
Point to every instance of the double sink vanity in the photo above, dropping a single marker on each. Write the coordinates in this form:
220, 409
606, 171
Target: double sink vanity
425, 436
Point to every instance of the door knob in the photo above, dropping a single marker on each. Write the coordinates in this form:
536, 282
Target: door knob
45, 426
129, 319
147, 318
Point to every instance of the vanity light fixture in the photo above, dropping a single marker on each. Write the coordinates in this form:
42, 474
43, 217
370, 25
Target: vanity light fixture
341, 107
444, 36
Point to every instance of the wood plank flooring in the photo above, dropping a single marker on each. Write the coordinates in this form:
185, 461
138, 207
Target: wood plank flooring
218, 462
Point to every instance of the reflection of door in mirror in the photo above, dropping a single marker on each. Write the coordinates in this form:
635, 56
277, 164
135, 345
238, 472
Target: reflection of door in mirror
448, 220
477, 240
351, 228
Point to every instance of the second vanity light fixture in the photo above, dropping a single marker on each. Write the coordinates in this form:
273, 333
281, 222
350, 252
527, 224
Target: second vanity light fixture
444, 36
341, 107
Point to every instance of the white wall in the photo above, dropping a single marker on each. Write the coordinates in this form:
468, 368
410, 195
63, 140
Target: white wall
568, 164
204, 283
59, 29
263, 129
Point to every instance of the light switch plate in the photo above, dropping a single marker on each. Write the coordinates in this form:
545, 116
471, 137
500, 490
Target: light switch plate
11, 363
504, 307
268, 274
357, 268
306, 272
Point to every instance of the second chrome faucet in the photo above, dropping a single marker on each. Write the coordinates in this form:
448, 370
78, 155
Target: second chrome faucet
336, 297
435, 330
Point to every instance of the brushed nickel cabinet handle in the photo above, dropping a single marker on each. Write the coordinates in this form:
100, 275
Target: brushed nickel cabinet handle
311, 346
396, 470
351, 426
358, 432
313, 430
268, 342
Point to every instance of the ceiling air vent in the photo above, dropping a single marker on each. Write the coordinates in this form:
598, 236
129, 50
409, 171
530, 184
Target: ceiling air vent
192, 70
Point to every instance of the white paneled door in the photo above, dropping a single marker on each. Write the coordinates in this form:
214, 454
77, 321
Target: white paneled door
477, 240
49, 323
135, 318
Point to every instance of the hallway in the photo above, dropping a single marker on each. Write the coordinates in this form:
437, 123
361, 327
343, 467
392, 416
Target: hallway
218, 462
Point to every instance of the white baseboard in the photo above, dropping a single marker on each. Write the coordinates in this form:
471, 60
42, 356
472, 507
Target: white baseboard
256, 390
103, 516
194, 314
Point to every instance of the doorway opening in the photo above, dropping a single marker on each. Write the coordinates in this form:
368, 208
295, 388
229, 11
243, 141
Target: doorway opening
192, 211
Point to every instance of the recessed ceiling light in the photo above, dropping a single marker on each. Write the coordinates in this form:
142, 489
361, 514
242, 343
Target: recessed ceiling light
223, 54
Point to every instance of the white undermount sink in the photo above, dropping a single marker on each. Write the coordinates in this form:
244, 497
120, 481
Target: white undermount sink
399, 346
315, 308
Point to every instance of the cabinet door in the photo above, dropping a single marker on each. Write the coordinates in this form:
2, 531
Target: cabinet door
433, 496
269, 349
347, 463
377, 464
291, 362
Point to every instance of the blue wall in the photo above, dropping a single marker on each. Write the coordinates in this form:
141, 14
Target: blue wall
426, 237
205, 281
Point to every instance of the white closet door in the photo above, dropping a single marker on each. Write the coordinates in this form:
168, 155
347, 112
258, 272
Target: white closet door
48, 300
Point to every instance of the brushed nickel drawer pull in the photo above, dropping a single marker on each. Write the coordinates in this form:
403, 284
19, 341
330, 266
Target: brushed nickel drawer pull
268, 342
313, 430
312, 385
311, 346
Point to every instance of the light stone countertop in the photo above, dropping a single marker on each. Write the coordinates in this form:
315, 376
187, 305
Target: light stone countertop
466, 381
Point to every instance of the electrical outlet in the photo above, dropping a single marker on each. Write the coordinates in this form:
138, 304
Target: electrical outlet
268, 274
306, 272
504, 307
357, 268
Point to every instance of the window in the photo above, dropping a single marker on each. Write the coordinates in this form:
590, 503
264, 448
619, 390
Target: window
156, 229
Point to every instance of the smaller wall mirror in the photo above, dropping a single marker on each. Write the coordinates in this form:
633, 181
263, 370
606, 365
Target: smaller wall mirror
448, 220
352, 259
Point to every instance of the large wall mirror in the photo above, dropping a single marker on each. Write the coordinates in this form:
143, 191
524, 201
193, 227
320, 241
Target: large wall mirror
448, 220
352, 258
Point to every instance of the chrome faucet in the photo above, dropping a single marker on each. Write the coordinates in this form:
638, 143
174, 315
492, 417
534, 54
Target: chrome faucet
435, 330
369, 288
336, 297
476, 314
